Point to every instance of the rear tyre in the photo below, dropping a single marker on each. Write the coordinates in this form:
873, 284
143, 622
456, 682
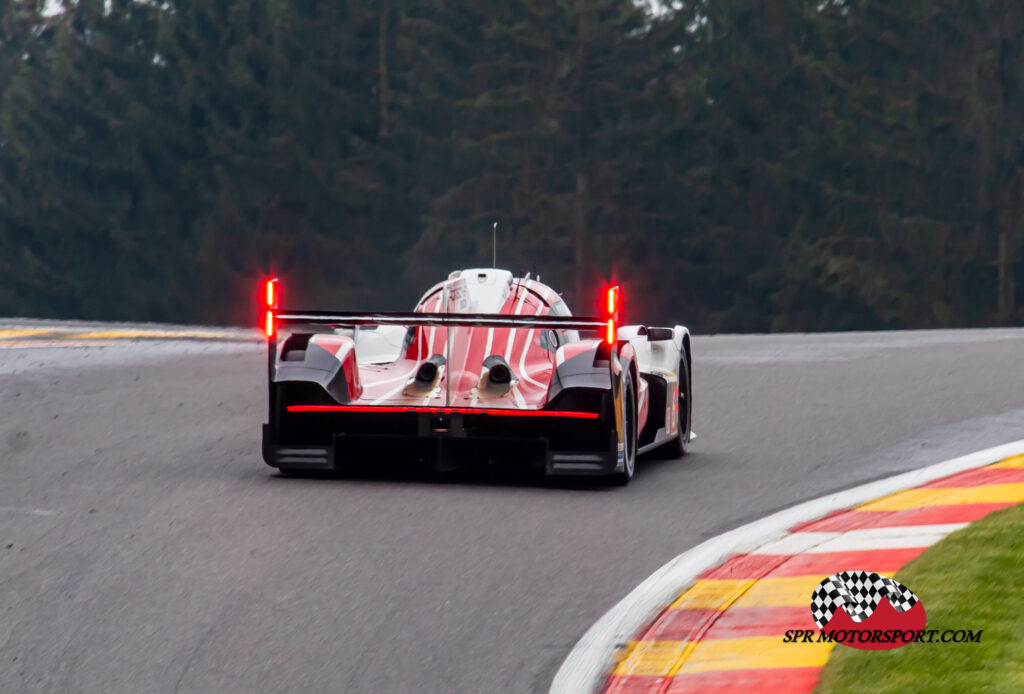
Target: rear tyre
629, 433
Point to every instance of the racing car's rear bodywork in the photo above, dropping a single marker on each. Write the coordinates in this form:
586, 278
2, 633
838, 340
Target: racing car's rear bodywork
488, 367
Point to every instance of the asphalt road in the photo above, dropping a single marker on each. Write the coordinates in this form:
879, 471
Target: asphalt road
145, 547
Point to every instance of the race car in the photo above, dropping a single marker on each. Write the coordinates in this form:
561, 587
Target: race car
488, 367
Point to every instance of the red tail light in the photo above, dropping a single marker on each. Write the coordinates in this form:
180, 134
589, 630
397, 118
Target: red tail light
444, 410
271, 295
612, 306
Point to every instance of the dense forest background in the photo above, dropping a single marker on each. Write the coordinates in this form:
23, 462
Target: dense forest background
740, 165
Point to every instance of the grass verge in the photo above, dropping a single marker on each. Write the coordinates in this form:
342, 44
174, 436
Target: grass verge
973, 579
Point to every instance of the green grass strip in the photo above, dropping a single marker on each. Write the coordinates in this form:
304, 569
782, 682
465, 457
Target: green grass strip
972, 579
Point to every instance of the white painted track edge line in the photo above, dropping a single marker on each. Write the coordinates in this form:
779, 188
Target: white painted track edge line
584, 668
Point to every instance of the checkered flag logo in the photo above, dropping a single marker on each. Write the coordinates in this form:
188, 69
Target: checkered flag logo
857, 592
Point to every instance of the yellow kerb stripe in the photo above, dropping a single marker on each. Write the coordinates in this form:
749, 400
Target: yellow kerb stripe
712, 594
1016, 461
721, 594
668, 658
915, 498
130, 334
754, 652
11, 333
651, 658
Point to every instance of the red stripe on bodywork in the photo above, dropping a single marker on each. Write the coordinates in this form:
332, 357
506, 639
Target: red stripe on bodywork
444, 410
331, 343
526, 356
643, 396
468, 347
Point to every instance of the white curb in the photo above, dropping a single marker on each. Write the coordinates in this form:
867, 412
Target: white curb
587, 663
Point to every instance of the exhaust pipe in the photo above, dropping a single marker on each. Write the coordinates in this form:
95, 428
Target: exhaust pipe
498, 369
496, 378
427, 373
426, 377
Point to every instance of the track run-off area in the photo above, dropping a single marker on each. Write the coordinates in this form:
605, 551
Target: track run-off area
145, 546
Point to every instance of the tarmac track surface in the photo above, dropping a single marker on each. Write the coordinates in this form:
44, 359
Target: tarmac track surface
145, 547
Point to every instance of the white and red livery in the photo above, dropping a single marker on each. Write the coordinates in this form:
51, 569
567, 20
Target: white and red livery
488, 367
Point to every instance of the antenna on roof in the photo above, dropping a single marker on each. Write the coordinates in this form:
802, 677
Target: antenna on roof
494, 246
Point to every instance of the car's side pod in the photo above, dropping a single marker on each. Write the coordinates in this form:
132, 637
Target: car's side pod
656, 334
326, 361
583, 370
599, 367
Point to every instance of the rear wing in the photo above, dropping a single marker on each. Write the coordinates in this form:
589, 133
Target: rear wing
275, 318
440, 320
